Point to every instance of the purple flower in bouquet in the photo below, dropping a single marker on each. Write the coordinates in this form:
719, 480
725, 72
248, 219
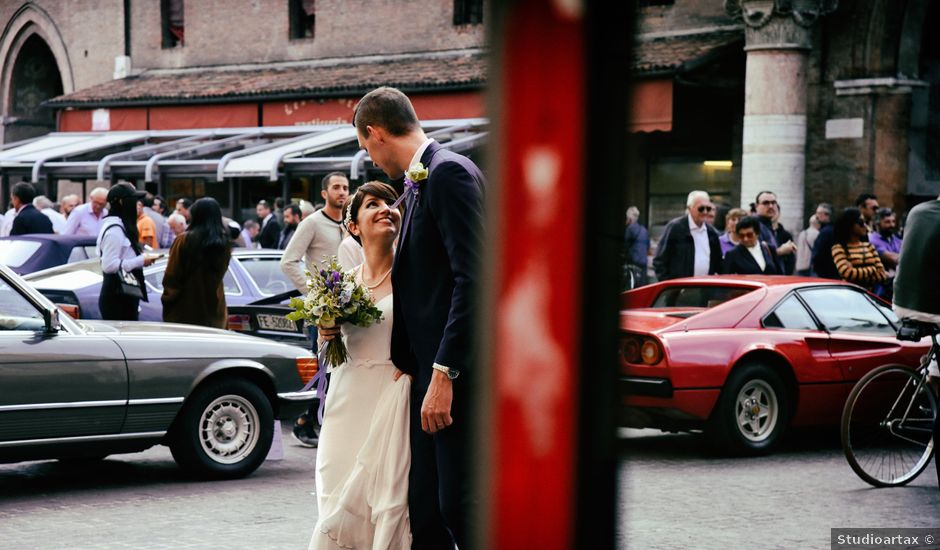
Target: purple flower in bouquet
334, 298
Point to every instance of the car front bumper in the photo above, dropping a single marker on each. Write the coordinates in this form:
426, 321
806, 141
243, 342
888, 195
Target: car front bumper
292, 404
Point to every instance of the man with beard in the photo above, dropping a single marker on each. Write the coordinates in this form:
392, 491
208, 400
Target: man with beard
888, 246
291, 220
317, 237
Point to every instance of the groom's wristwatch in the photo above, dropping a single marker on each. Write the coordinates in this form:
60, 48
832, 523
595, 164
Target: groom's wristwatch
451, 373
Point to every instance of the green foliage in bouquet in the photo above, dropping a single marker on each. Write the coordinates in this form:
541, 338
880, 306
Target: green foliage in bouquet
333, 298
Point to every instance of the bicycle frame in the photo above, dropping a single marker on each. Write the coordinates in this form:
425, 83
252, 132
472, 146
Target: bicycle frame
899, 424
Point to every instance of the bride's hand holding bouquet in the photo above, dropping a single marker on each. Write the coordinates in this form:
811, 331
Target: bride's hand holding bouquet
333, 298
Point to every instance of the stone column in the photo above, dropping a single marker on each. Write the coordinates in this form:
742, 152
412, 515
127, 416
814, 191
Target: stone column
778, 38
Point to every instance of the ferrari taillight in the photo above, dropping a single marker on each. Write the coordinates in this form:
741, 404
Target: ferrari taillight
650, 352
641, 350
631, 349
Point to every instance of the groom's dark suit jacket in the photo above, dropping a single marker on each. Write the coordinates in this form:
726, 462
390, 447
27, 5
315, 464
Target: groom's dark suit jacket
434, 279
436, 265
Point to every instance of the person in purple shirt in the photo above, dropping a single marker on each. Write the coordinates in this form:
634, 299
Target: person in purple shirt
85, 219
888, 245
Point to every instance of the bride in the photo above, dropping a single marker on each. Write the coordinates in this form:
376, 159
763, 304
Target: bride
364, 452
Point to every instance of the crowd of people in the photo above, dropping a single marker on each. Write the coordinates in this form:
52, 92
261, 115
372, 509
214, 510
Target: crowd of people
131, 225
861, 245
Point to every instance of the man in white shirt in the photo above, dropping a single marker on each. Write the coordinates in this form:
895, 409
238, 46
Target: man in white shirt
270, 229
689, 246
44, 205
751, 256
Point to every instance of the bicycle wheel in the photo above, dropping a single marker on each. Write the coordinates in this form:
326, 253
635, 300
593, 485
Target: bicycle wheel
887, 426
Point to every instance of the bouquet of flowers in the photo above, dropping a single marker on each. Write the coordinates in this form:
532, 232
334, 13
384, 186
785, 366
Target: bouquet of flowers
333, 298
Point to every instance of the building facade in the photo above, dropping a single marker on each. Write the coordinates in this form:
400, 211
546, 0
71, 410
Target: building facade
818, 101
165, 65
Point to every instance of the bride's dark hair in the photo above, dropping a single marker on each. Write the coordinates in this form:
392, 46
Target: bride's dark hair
376, 189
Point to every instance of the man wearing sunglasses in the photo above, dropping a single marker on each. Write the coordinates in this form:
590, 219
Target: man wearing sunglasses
689, 246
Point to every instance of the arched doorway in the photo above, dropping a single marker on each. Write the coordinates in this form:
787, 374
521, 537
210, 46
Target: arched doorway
35, 79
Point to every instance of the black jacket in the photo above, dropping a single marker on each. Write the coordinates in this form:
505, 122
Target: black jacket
675, 255
786, 265
29, 221
286, 234
822, 262
270, 234
739, 261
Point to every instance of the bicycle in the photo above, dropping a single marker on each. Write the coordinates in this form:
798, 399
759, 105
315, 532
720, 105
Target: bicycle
888, 420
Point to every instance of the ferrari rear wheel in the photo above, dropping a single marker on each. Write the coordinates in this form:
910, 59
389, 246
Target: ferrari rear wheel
752, 412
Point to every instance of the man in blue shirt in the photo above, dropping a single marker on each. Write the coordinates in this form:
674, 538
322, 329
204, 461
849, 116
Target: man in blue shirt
888, 246
86, 218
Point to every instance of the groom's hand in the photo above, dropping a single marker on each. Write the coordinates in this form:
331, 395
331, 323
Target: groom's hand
435, 411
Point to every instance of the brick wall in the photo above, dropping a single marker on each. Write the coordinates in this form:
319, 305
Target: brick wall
257, 32
683, 14
92, 31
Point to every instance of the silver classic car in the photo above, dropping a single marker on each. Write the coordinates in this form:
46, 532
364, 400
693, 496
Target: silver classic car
87, 389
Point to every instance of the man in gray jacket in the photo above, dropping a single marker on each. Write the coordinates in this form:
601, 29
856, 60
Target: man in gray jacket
317, 237
916, 293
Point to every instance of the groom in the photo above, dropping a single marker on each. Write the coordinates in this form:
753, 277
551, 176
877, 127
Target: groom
434, 281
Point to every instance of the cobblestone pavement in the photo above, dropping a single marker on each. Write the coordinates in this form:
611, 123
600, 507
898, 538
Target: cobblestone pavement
675, 494
143, 501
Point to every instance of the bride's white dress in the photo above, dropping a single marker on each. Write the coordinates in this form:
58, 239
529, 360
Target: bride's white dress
364, 452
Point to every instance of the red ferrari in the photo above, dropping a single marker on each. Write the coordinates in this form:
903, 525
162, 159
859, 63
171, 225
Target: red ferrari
744, 357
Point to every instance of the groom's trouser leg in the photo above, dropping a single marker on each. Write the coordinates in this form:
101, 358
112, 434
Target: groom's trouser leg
455, 481
427, 523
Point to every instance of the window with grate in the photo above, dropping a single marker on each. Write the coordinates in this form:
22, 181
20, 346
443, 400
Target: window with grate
468, 12
645, 3
171, 21
302, 18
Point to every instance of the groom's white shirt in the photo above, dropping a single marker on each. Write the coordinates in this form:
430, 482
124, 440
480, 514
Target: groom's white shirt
420, 153
415, 160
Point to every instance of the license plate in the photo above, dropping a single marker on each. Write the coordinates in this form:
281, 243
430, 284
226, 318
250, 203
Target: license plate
276, 322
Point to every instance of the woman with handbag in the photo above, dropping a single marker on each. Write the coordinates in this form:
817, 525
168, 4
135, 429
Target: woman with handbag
122, 262
193, 292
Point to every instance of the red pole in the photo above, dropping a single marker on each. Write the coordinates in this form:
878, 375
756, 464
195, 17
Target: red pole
534, 273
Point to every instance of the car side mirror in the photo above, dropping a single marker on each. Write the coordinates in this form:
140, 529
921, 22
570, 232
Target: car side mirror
51, 318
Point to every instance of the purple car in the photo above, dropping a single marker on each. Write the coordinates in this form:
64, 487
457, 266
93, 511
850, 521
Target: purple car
252, 275
30, 253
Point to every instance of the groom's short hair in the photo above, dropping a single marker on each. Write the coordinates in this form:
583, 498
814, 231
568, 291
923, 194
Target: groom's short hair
386, 108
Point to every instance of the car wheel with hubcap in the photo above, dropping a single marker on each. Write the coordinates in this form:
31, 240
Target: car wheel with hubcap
224, 431
752, 411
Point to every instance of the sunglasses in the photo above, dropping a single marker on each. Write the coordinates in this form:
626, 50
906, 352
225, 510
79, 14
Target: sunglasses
704, 209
